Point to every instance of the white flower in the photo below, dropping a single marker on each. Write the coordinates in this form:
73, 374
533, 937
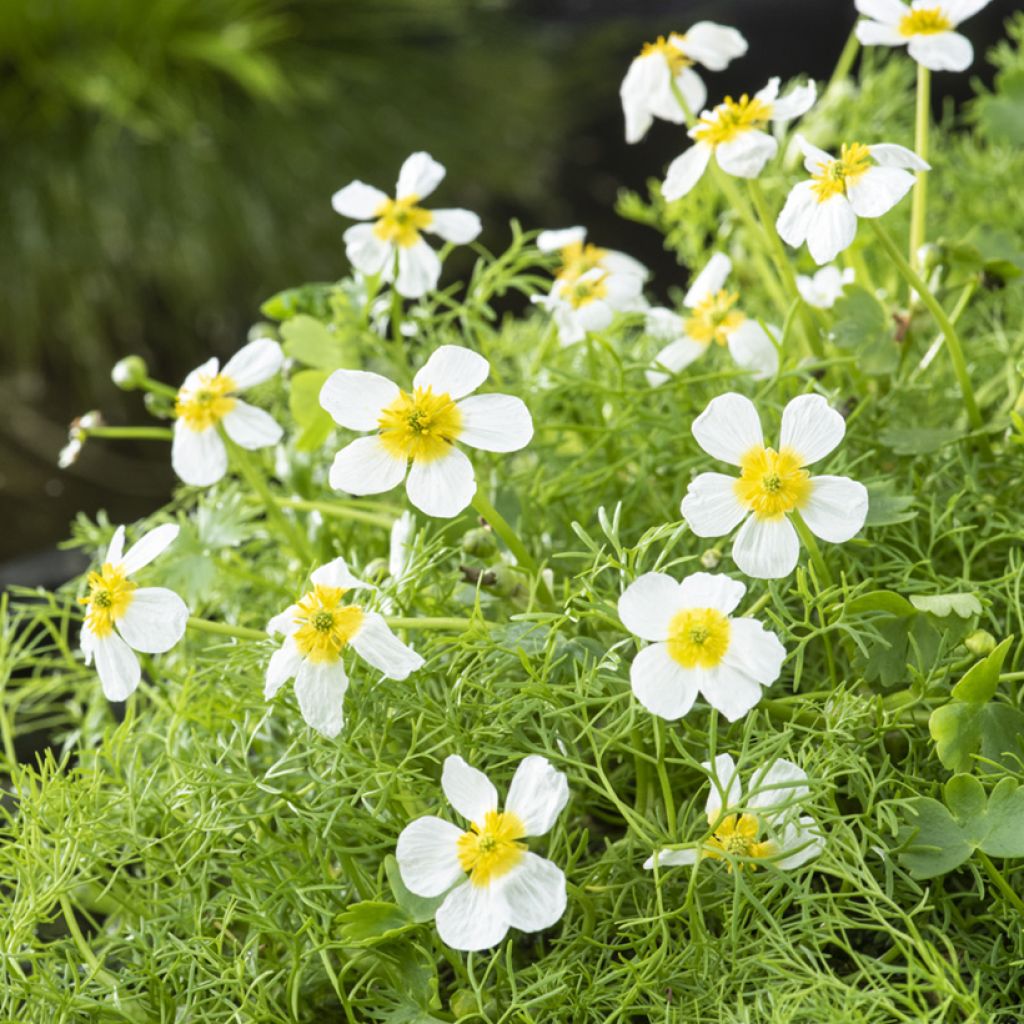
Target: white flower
865, 181
713, 317
734, 132
402, 530
122, 617
824, 287
422, 427
507, 887
771, 483
791, 840
925, 27
209, 398
646, 90
579, 257
696, 647
395, 236
317, 631
590, 302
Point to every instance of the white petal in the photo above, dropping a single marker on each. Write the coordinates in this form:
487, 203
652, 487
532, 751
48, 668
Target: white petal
358, 200
960, 10
284, 622
711, 508
824, 287
694, 93
713, 45
366, 250
154, 621
468, 790
811, 428
336, 573
427, 855
889, 11
473, 917
710, 280
538, 794
685, 171
377, 645
728, 428
619, 264
878, 190
753, 349
873, 33
944, 51
645, 78
780, 785
400, 544
254, 363
534, 893
814, 158
149, 546
495, 423
550, 241
457, 226
804, 840
419, 176
117, 666
418, 270
746, 155
198, 456
250, 427
726, 788
365, 466
115, 552
710, 590
729, 691
647, 605
889, 154
795, 218
442, 487
770, 93
453, 370
832, 229
755, 651
836, 508
672, 858
355, 398
208, 369
661, 684
284, 664
767, 549
320, 688
795, 103
675, 357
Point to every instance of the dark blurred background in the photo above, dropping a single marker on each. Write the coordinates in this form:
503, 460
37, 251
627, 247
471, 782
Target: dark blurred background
168, 164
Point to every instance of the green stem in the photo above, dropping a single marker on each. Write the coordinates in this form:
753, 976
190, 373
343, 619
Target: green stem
224, 629
130, 433
962, 302
810, 542
337, 511
1000, 883
919, 205
956, 352
157, 387
691, 118
844, 64
666, 788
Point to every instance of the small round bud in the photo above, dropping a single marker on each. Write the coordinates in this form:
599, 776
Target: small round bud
980, 643
479, 543
930, 256
507, 581
711, 558
262, 329
129, 373
377, 570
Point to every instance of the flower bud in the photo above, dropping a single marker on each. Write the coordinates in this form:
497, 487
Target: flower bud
711, 558
262, 329
980, 643
930, 256
377, 570
479, 543
129, 373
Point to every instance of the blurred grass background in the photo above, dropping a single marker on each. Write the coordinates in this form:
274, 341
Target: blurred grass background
169, 164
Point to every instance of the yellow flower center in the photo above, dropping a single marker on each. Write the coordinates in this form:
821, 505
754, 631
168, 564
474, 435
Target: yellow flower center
714, 319
731, 118
772, 483
854, 160
421, 426
110, 593
925, 21
579, 293
205, 405
674, 57
325, 624
579, 259
490, 850
401, 221
698, 637
736, 836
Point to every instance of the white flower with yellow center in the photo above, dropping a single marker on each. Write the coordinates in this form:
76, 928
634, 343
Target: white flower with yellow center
696, 646
579, 257
590, 302
318, 630
770, 810
121, 617
925, 28
393, 244
713, 318
735, 133
492, 880
209, 399
863, 181
647, 90
421, 427
772, 484
824, 287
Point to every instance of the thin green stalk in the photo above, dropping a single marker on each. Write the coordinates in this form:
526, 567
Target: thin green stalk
919, 206
224, 629
844, 64
157, 387
129, 433
666, 787
810, 542
962, 302
1000, 883
337, 511
956, 352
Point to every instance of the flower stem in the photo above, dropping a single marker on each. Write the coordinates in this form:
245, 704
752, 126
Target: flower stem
843, 65
129, 433
956, 352
919, 205
810, 542
666, 788
157, 387
337, 511
1000, 883
224, 629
